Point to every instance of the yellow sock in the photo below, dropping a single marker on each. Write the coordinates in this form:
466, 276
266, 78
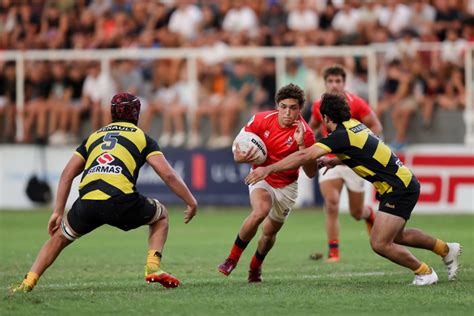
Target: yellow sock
441, 248
31, 278
423, 269
153, 259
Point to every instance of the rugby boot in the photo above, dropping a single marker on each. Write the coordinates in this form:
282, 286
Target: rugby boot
425, 279
227, 266
255, 275
451, 260
160, 276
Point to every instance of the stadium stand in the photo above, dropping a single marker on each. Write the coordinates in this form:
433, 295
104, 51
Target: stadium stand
427, 88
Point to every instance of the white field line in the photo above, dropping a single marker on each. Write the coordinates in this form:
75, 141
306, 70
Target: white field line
220, 279
217, 279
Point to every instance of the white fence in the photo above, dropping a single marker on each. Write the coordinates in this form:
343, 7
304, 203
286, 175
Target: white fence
279, 53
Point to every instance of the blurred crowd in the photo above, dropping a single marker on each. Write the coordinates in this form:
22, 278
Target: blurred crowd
60, 96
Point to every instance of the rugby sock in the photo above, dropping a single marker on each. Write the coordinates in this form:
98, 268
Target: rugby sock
30, 280
423, 269
333, 248
153, 259
257, 260
441, 248
237, 249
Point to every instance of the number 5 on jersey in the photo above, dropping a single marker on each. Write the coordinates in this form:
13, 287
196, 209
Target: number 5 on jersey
110, 140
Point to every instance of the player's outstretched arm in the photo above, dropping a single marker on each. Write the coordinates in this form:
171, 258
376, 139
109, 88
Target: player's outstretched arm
293, 161
73, 168
175, 183
311, 167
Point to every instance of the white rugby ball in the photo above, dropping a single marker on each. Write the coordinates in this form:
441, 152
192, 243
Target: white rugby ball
246, 140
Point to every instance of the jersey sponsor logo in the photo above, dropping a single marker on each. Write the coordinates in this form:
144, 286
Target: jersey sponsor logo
117, 128
266, 134
256, 143
104, 167
358, 128
389, 205
108, 169
289, 141
105, 158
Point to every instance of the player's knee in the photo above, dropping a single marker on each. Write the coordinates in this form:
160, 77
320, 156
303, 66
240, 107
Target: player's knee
356, 214
161, 214
331, 205
378, 246
257, 216
61, 240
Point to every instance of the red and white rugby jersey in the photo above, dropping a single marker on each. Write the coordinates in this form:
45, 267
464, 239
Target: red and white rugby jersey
359, 109
280, 143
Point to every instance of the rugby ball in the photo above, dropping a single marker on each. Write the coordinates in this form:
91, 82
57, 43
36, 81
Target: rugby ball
247, 140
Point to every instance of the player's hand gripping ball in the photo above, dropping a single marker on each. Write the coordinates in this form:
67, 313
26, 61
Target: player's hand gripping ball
246, 140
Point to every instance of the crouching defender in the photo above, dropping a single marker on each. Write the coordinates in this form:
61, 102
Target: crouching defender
109, 160
397, 188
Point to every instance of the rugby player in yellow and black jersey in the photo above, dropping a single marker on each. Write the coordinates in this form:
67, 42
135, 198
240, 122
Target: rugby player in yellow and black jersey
109, 160
397, 188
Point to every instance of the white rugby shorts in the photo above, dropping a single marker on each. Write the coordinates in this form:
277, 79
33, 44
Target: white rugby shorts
350, 178
283, 199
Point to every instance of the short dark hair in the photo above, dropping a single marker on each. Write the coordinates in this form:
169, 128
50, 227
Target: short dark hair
291, 91
334, 70
334, 106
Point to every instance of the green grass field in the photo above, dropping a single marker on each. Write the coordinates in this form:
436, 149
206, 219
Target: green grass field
102, 273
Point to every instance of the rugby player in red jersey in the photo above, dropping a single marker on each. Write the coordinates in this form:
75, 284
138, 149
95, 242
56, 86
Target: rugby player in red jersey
333, 180
283, 131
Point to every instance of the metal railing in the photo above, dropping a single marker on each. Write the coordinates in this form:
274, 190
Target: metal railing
279, 53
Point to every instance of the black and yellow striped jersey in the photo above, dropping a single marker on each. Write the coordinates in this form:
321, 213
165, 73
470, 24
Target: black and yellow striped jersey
113, 156
368, 156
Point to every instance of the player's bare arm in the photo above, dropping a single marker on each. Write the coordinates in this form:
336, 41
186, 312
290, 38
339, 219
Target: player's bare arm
315, 125
73, 168
310, 168
293, 161
373, 123
175, 183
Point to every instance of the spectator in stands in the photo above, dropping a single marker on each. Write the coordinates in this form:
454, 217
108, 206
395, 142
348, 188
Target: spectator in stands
454, 96
76, 107
37, 89
210, 97
180, 108
267, 87
422, 16
54, 27
273, 21
447, 16
185, 21
240, 19
399, 97
395, 16
239, 96
301, 18
346, 22
453, 48
97, 90
58, 104
7, 102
